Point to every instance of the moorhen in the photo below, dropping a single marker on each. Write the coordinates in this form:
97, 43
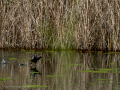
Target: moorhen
35, 59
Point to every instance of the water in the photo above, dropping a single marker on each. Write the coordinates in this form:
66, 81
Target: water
59, 71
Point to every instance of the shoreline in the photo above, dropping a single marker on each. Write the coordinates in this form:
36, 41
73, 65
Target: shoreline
79, 50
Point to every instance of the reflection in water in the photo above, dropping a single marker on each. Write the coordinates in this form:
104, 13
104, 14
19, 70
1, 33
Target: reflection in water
3, 63
61, 71
34, 71
21, 64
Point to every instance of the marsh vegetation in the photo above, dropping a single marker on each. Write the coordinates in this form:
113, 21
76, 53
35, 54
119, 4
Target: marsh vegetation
60, 24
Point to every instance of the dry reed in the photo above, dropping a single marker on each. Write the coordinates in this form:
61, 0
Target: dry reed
61, 24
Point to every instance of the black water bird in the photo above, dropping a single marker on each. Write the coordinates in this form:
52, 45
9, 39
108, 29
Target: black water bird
35, 59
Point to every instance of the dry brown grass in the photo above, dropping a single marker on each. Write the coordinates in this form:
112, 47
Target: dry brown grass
61, 24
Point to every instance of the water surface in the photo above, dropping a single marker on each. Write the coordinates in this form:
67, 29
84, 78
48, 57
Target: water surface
64, 70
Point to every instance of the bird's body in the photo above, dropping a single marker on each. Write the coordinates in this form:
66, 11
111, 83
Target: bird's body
35, 59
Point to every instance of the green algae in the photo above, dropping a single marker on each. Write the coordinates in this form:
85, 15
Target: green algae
4, 79
99, 70
33, 72
34, 86
71, 64
22, 50
23, 59
53, 75
12, 58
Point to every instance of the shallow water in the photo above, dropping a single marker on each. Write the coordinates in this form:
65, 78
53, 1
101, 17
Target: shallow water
65, 70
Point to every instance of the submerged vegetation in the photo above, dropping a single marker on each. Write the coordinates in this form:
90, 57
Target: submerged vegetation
61, 24
4, 79
35, 86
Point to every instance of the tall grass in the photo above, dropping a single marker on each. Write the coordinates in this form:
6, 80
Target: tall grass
60, 24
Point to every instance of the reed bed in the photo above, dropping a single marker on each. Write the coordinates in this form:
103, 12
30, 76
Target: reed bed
60, 24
